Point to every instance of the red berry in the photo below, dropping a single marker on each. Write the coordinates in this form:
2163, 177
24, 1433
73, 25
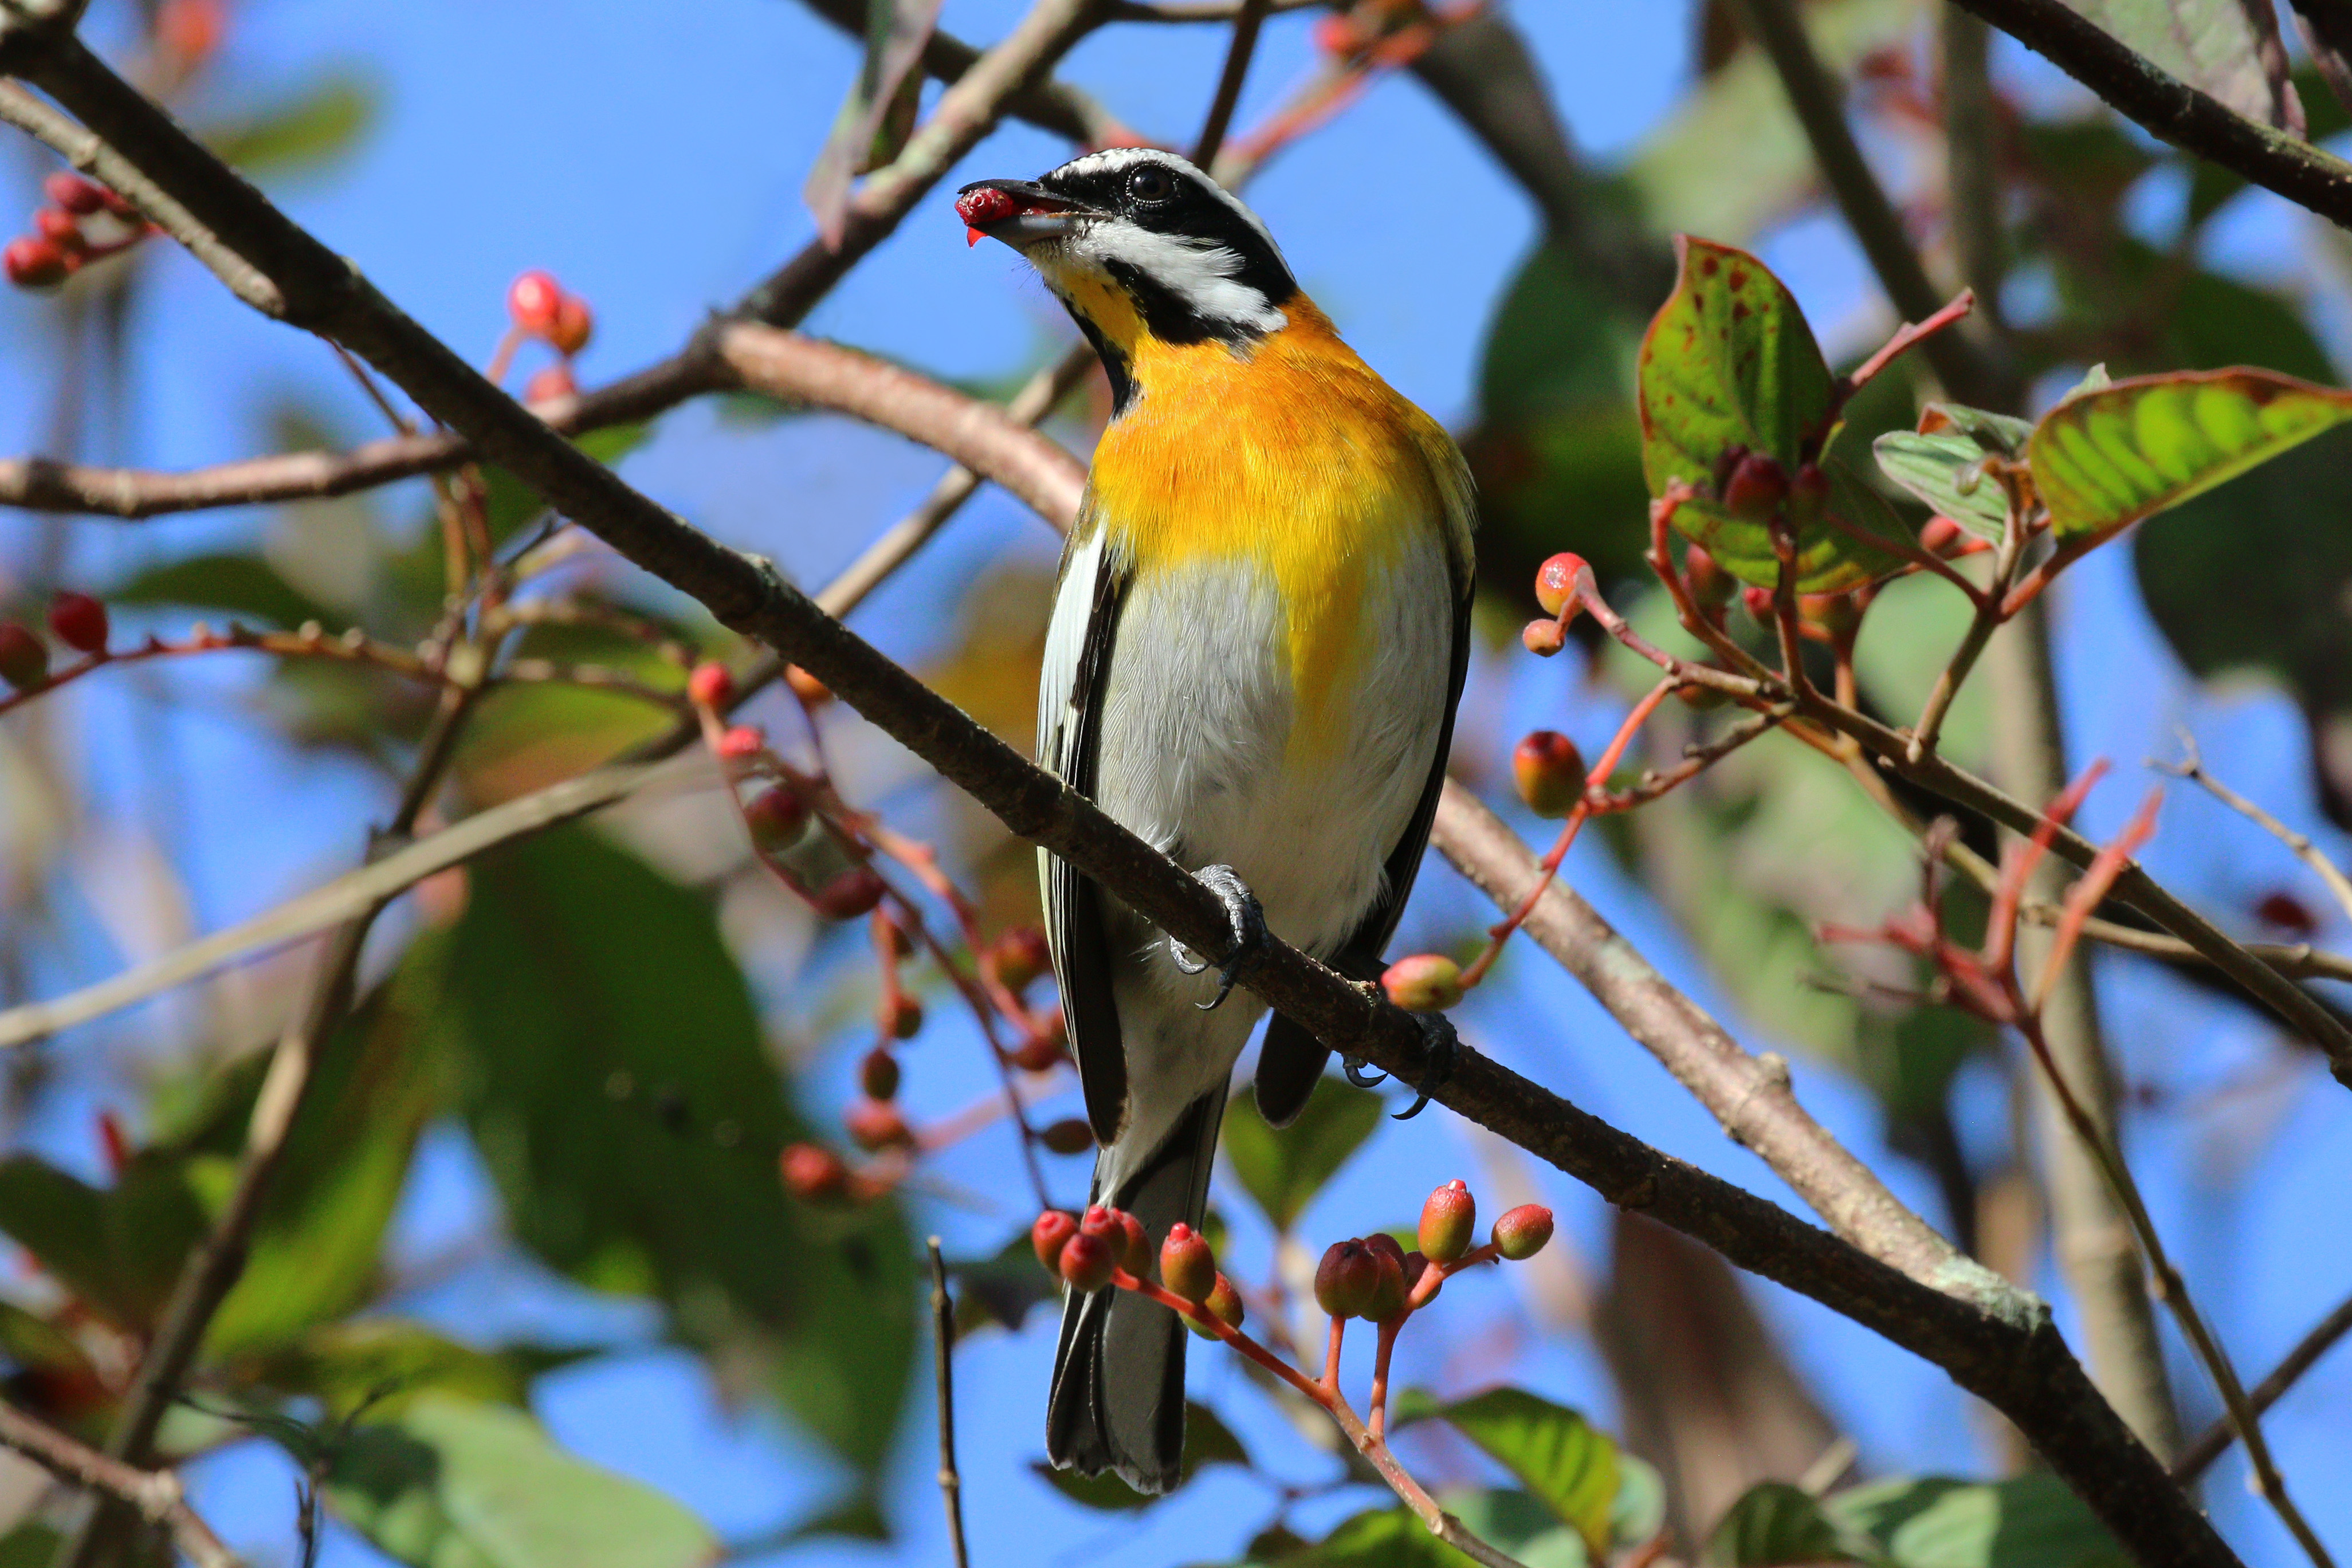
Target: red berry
1123, 1233
1758, 602
1447, 1221
1187, 1267
74, 194
811, 692
533, 301
60, 228
1542, 637
1522, 1232
1050, 1235
1387, 1298
812, 1171
902, 1018
742, 742
1559, 581
878, 1124
32, 262
1710, 585
24, 658
1071, 1136
574, 324
547, 386
1836, 616
1550, 773
1221, 1301
1022, 955
1939, 533
79, 622
850, 893
1043, 1052
710, 685
777, 818
1425, 983
191, 30
1086, 1262
1346, 1279
1756, 488
878, 1074
1809, 491
2288, 912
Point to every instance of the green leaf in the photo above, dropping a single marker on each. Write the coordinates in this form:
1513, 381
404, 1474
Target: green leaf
1639, 1509
381, 1365
2108, 457
1519, 1524
2031, 1520
1569, 1466
1284, 1170
2209, 44
1774, 1524
1207, 1441
452, 1483
1378, 1538
1943, 462
244, 586
879, 111
626, 1107
317, 125
119, 1247
1729, 366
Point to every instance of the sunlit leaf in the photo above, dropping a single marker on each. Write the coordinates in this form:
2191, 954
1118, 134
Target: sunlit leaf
2031, 1520
317, 125
1568, 1465
1378, 1538
454, 1483
1943, 462
381, 1365
1730, 367
117, 1248
1775, 1525
2209, 44
620, 1095
879, 111
1518, 1523
242, 586
2105, 458
1284, 1171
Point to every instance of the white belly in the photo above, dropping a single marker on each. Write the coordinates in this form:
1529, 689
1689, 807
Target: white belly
1196, 756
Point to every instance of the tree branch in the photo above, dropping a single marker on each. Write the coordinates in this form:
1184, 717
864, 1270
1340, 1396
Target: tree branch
2019, 1363
1048, 104
2168, 108
2215, 1440
154, 1494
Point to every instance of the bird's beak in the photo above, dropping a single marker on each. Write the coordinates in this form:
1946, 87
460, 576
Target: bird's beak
1018, 212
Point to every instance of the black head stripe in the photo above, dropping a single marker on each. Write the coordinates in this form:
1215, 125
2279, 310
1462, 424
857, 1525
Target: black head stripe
1162, 193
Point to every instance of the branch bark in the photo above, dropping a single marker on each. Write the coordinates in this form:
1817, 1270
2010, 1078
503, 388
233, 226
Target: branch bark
155, 1495
2019, 1363
2168, 108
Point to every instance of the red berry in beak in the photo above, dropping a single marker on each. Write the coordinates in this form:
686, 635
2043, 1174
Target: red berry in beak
983, 207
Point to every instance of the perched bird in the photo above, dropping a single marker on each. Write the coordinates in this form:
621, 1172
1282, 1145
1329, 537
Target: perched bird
1257, 642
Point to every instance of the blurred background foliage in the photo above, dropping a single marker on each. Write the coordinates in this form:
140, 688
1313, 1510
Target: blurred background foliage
547, 1139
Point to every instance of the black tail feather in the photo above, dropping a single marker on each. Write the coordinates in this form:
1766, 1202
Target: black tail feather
1118, 1402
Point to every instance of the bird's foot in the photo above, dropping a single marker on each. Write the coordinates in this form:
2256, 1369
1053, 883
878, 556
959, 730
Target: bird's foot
1247, 922
1441, 1048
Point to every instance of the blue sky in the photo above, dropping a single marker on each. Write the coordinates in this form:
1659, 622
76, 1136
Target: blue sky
652, 158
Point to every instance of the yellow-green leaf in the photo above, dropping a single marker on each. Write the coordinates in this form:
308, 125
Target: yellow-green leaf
1554, 1451
2107, 457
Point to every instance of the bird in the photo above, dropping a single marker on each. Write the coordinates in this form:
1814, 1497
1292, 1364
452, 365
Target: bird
1259, 634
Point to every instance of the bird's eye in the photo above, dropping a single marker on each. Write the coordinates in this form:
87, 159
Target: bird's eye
1149, 184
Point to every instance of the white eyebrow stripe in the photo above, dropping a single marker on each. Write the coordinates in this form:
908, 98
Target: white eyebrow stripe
1112, 159
1201, 275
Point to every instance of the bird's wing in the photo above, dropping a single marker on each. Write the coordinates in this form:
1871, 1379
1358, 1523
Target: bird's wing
1292, 1059
1087, 602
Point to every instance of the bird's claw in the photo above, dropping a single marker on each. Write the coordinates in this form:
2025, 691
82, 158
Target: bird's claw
1356, 1073
1247, 922
1440, 1049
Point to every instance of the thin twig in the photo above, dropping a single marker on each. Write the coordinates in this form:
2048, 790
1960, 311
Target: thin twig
943, 1353
156, 1495
1247, 20
2216, 1440
2192, 767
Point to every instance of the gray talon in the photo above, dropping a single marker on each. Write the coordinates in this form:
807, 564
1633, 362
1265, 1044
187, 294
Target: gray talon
1440, 1049
1353, 1069
1247, 922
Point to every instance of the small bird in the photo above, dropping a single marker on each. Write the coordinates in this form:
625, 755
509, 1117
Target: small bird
1258, 640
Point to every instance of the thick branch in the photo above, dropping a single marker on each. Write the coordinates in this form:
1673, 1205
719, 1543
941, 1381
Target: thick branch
2170, 108
2020, 1365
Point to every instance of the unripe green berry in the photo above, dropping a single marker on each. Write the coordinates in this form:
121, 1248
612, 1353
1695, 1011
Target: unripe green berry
1549, 772
1425, 983
1222, 1301
1522, 1232
1187, 1267
1447, 1222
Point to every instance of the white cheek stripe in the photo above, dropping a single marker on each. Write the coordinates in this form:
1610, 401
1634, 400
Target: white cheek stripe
1201, 275
1115, 158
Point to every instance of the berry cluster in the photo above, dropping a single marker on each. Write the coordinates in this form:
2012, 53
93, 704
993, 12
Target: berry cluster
543, 310
60, 245
76, 619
